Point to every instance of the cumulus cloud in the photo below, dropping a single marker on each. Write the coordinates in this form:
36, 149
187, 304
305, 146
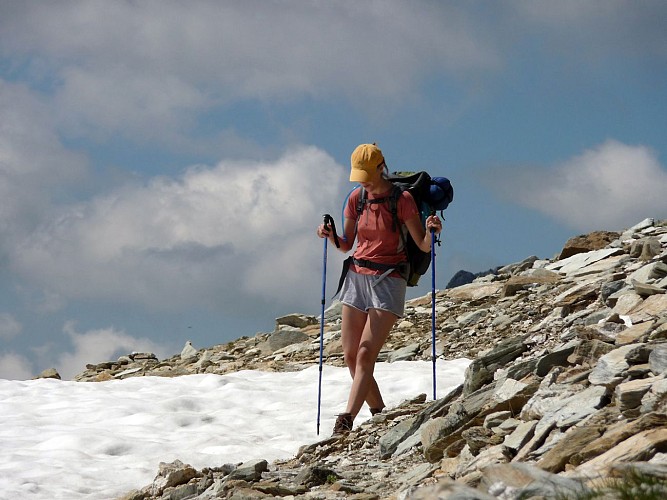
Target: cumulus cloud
9, 327
183, 58
15, 367
611, 186
34, 165
100, 345
218, 237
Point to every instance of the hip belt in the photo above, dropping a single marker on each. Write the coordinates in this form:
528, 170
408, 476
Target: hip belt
387, 269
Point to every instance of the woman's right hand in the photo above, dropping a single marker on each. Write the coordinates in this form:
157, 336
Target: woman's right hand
323, 231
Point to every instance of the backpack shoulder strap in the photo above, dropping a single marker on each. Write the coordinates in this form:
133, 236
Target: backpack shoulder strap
361, 201
393, 206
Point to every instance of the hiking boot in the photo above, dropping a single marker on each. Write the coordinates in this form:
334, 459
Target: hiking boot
343, 424
375, 411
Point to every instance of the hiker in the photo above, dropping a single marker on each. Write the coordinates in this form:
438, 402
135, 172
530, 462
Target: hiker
373, 290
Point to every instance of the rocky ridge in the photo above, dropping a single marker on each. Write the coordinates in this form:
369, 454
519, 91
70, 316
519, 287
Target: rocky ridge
567, 389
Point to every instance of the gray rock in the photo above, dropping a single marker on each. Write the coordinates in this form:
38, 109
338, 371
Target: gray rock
578, 261
648, 273
598, 316
490, 456
481, 370
495, 419
541, 432
286, 337
578, 406
478, 438
406, 353
49, 373
520, 369
471, 317
507, 426
216, 490
610, 288
518, 480
249, 471
333, 312
408, 444
527, 281
656, 398
434, 434
446, 488
417, 474
652, 307
610, 369
548, 398
517, 267
645, 248
510, 394
396, 435
629, 394
295, 320
639, 227
521, 435
172, 474
183, 491
189, 353
657, 360
315, 475
558, 357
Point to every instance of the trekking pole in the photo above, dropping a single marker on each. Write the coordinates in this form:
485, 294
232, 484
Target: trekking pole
433, 241
327, 220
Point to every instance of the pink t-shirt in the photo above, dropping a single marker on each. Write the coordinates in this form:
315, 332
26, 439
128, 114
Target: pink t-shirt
376, 238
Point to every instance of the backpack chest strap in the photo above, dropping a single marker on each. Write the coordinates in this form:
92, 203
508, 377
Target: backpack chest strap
393, 204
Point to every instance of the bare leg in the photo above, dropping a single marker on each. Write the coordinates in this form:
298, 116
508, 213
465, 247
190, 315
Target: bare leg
373, 336
354, 322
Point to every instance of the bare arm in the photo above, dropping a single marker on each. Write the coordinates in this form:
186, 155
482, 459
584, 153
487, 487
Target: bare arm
346, 241
422, 234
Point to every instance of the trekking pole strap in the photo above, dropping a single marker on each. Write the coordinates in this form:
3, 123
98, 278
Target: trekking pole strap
329, 220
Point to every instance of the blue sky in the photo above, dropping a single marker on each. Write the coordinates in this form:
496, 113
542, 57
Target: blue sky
164, 165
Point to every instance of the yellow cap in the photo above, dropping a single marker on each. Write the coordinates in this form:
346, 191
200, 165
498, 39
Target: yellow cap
365, 160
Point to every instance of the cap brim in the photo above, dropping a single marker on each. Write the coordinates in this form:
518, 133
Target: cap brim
358, 175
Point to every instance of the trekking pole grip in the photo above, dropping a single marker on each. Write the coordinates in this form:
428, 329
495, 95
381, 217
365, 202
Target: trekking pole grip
329, 220
433, 236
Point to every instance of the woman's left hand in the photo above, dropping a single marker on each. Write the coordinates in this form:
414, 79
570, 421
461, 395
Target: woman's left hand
433, 222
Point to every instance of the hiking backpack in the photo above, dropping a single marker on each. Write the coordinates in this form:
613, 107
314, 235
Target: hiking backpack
431, 194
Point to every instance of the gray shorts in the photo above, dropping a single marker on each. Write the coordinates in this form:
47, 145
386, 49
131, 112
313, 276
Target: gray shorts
369, 291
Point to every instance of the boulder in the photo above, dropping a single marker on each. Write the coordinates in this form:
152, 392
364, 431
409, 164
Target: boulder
286, 337
587, 242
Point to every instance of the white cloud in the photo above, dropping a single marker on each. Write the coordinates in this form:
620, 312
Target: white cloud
609, 187
123, 99
9, 327
129, 67
34, 165
96, 346
147, 69
603, 30
220, 237
15, 367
